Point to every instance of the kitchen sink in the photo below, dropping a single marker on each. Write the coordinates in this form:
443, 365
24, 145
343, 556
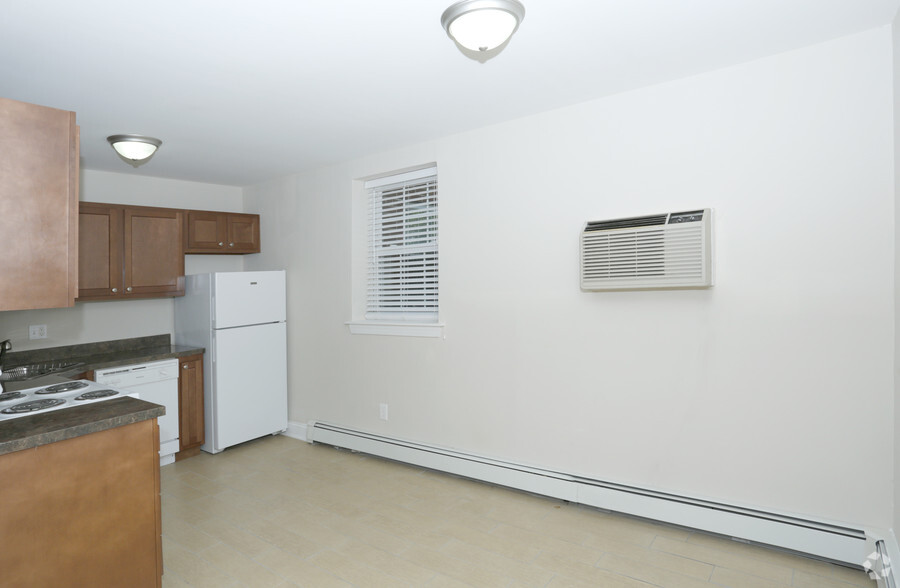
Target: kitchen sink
36, 370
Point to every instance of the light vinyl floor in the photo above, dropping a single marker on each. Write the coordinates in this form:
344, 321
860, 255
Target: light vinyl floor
279, 512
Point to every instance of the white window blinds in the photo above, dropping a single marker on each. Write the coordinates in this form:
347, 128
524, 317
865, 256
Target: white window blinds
403, 247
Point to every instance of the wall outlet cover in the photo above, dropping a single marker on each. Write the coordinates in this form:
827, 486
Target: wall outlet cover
37, 332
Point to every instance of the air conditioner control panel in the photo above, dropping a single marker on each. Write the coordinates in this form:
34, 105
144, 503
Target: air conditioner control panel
686, 217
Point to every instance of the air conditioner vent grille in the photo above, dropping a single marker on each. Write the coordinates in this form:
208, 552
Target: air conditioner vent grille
626, 223
657, 255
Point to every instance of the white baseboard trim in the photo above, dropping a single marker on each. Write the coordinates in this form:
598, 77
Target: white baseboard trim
297, 431
822, 539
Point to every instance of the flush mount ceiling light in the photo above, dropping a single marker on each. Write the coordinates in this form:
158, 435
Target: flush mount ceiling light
482, 25
136, 149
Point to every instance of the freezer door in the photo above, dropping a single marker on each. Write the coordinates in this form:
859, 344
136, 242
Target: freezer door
248, 298
249, 394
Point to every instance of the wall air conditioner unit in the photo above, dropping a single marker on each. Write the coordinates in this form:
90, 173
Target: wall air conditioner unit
670, 250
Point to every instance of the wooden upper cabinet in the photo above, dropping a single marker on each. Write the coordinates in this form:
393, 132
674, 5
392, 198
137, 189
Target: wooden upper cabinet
99, 251
243, 233
38, 206
205, 231
221, 232
154, 259
129, 252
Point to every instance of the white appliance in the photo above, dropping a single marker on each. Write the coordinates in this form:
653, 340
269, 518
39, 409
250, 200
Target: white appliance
155, 382
239, 317
42, 399
660, 251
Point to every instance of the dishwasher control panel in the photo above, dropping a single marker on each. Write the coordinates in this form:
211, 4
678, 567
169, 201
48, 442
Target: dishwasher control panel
137, 374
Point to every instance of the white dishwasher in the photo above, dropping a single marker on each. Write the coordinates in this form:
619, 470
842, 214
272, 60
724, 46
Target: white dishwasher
155, 382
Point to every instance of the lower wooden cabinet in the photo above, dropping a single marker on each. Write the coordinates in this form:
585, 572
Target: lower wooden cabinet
190, 406
84, 511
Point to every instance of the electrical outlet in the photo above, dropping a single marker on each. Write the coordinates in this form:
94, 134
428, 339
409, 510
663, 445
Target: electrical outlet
383, 411
37, 332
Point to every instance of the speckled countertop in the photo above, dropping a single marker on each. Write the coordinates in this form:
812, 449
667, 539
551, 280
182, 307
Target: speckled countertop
58, 425
95, 356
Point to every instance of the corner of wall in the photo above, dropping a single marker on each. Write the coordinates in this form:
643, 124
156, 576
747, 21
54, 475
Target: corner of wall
895, 515
297, 431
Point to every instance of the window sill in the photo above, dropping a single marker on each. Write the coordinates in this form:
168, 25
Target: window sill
433, 330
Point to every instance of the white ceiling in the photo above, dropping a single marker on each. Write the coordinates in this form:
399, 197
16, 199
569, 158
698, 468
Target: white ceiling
245, 91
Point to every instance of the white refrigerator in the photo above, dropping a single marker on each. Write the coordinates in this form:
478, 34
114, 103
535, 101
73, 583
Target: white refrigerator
239, 318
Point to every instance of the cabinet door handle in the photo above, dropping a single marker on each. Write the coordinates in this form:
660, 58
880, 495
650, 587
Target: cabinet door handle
221, 244
231, 244
128, 289
115, 290
184, 367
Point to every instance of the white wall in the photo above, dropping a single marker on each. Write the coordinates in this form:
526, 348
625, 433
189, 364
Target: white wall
103, 321
767, 390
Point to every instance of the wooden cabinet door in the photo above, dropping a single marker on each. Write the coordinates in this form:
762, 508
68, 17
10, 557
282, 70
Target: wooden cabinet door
84, 511
38, 206
206, 232
243, 233
99, 251
221, 232
153, 252
190, 406
129, 252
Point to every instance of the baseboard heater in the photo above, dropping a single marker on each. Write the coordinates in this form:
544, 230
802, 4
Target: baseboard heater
824, 540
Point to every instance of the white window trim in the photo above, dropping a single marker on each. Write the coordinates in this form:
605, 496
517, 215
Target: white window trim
431, 330
410, 176
409, 325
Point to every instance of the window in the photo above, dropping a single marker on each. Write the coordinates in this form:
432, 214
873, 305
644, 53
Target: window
402, 280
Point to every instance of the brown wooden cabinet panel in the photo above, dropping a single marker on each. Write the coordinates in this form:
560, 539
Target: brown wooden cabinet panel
154, 258
88, 375
221, 232
99, 251
243, 233
191, 428
38, 206
129, 252
85, 511
206, 231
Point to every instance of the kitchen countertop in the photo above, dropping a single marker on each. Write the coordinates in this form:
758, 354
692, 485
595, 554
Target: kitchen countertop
109, 359
59, 425
105, 354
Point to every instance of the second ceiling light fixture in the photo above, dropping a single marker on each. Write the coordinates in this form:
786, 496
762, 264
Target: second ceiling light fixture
135, 149
482, 25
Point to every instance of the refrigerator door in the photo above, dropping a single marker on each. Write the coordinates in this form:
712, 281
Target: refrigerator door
249, 393
248, 298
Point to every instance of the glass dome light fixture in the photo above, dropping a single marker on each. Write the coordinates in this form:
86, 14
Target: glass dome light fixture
482, 25
134, 148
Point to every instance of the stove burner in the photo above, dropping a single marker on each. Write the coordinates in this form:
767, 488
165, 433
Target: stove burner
33, 405
96, 394
64, 387
11, 396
